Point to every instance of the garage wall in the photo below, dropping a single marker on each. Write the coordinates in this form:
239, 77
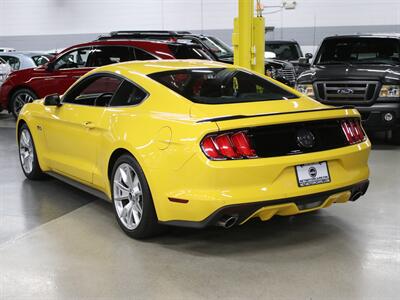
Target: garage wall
47, 24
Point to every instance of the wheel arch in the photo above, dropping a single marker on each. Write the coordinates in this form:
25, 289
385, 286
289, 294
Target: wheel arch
117, 153
19, 125
16, 88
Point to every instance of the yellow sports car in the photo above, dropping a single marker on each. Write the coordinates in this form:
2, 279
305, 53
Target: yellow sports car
194, 143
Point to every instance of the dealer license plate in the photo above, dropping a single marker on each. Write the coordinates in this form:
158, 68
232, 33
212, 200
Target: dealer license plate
311, 174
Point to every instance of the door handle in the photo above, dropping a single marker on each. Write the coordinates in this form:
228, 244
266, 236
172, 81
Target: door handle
88, 125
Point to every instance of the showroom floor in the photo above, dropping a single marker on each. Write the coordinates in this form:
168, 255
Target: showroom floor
58, 242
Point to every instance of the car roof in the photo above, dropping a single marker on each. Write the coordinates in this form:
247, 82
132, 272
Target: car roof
125, 42
367, 35
154, 66
280, 42
23, 53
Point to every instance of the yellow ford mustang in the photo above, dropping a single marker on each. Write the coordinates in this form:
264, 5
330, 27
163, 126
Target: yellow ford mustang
194, 143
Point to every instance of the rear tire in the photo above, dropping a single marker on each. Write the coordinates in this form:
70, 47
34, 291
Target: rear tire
395, 139
19, 98
27, 154
132, 200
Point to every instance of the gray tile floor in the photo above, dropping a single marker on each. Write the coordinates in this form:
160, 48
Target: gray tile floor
57, 242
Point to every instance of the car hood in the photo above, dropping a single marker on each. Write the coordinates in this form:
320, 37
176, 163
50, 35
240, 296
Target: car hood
382, 73
25, 74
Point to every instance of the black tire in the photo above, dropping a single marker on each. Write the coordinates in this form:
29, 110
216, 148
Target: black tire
148, 225
18, 99
35, 172
395, 139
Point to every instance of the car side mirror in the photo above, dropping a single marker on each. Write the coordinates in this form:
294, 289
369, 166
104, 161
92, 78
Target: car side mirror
309, 56
303, 61
52, 100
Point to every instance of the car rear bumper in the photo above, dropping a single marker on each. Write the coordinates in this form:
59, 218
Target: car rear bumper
287, 206
205, 189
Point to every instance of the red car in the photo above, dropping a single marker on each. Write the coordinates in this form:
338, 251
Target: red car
60, 73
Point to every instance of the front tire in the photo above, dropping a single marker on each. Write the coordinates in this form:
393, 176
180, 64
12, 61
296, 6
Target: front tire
132, 201
19, 99
27, 154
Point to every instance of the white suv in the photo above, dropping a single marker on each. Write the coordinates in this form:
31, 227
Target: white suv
5, 69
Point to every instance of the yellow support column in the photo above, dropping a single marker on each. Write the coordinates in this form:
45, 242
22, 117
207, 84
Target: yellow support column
248, 38
259, 44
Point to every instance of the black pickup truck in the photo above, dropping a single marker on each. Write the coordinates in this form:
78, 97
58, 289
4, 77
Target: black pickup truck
362, 71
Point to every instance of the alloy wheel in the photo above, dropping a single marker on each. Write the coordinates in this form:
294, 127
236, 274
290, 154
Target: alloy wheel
20, 100
128, 196
26, 152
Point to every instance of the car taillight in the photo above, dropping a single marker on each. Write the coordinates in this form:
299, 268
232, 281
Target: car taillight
353, 131
233, 145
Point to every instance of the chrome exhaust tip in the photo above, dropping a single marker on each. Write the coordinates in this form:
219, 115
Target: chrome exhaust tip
227, 221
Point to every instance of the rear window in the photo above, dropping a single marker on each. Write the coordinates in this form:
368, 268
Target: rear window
221, 86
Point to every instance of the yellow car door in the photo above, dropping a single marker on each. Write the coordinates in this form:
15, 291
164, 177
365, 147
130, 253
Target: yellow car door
72, 138
74, 130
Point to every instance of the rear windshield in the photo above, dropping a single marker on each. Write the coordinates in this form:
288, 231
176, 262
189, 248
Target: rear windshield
221, 85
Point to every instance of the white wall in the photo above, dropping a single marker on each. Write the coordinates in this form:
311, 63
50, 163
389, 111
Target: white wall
23, 23
33, 17
335, 13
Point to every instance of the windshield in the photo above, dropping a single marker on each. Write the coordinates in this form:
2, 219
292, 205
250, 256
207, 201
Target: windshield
284, 51
217, 47
359, 51
221, 86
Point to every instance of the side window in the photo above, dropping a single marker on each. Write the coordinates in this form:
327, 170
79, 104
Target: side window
14, 62
128, 94
40, 59
143, 55
95, 91
74, 59
107, 55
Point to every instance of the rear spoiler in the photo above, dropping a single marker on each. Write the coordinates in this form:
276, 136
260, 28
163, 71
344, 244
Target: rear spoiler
235, 117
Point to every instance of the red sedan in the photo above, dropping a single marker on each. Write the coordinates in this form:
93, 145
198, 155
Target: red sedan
60, 73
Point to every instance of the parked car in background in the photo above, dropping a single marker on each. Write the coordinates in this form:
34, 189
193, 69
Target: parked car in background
25, 60
280, 70
361, 70
2, 49
5, 70
196, 144
289, 51
57, 75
